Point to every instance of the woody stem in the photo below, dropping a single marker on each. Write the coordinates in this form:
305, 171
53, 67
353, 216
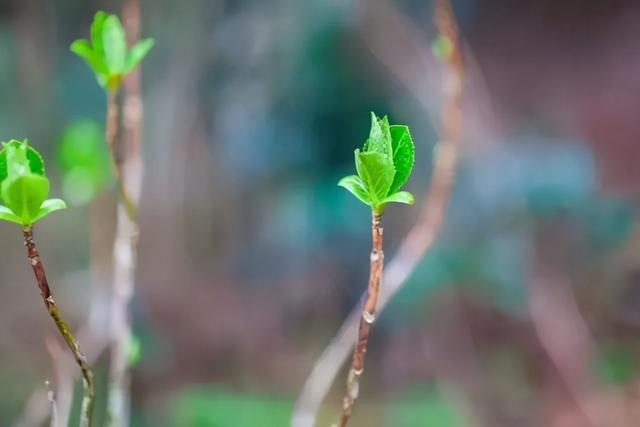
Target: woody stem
65, 331
366, 320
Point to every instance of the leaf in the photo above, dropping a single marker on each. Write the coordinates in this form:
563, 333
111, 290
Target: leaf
137, 53
97, 27
114, 42
7, 215
401, 197
354, 184
25, 194
376, 171
3, 165
386, 133
82, 48
403, 155
379, 137
16, 157
36, 162
97, 42
48, 206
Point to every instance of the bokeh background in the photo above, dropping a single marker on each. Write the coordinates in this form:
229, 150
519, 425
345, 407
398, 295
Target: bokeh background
526, 312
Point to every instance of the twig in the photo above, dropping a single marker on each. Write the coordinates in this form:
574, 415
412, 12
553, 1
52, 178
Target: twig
64, 369
54, 407
93, 334
558, 322
111, 135
125, 244
72, 343
420, 238
366, 320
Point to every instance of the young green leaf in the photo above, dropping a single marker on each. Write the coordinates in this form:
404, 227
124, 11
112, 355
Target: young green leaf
376, 171
23, 184
7, 215
401, 197
384, 165
137, 53
403, 155
115, 44
36, 162
83, 49
354, 184
97, 27
25, 194
379, 137
107, 53
50, 205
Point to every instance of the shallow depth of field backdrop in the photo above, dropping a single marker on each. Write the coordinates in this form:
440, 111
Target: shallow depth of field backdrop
526, 312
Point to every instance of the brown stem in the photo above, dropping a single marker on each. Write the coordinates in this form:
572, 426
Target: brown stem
366, 320
72, 343
125, 244
111, 135
424, 233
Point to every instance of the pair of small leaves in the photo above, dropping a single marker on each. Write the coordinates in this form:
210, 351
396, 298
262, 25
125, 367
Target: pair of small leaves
107, 52
384, 165
23, 185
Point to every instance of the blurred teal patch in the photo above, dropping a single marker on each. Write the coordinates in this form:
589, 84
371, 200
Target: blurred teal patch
210, 407
438, 269
607, 222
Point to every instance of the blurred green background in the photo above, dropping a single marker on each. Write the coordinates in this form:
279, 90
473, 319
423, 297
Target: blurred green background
525, 313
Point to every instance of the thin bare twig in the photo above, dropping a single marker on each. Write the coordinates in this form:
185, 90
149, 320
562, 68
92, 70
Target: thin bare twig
65, 331
366, 320
125, 244
53, 422
558, 322
65, 374
420, 238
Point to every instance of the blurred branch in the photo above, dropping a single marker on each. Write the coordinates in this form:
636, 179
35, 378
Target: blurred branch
556, 317
125, 244
36, 410
64, 379
422, 236
54, 406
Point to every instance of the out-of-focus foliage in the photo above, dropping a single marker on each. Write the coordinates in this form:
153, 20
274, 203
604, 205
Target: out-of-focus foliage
424, 409
250, 256
614, 365
84, 161
207, 407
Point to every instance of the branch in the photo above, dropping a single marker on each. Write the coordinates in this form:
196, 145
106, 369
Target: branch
65, 331
366, 319
54, 406
420, 238
125, 243
559, 324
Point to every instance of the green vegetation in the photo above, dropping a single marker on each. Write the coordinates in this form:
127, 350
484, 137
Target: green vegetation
384, 165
